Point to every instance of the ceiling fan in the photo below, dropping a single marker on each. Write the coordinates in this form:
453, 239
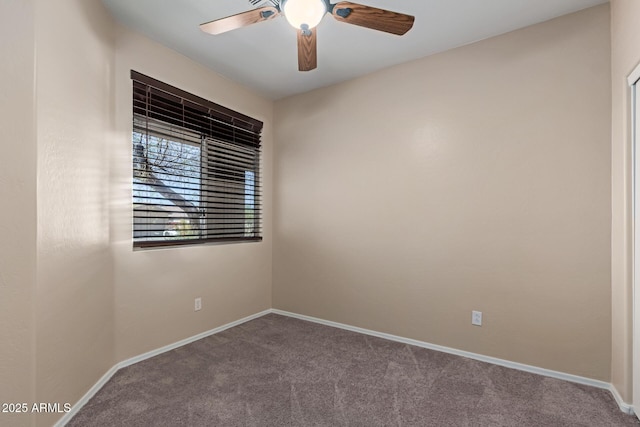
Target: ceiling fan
305, 15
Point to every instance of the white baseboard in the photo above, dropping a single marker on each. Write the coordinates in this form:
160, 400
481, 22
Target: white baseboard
624, 407
107, 376
189, 340
87, 396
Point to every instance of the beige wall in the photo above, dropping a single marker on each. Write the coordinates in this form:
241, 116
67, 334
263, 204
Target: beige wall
625, 55
74, 294
18, 212
75, 298
475, 179
155, 289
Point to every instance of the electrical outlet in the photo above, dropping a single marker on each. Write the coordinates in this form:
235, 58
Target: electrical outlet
476, 318
198, 304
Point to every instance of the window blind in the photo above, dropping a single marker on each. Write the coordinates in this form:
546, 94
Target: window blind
196, 169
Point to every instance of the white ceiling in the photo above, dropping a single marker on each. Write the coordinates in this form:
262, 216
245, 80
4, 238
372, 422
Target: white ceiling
264, 56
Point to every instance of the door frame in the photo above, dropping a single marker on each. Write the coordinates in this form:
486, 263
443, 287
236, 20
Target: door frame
634, 84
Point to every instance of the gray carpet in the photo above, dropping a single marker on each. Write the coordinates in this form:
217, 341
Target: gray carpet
279, 371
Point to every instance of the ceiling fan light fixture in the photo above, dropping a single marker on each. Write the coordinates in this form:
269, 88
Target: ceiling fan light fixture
304, 12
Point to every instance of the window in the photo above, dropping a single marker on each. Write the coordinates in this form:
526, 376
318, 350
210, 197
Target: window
196, 169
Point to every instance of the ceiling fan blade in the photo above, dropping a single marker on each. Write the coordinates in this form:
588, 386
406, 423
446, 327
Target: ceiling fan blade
243, 19
307, 50
372, 17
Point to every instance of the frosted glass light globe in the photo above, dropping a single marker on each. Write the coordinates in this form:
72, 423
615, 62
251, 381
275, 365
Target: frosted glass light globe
309, 12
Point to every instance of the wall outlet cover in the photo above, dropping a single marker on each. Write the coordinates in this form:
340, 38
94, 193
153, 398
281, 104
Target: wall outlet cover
476, 318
